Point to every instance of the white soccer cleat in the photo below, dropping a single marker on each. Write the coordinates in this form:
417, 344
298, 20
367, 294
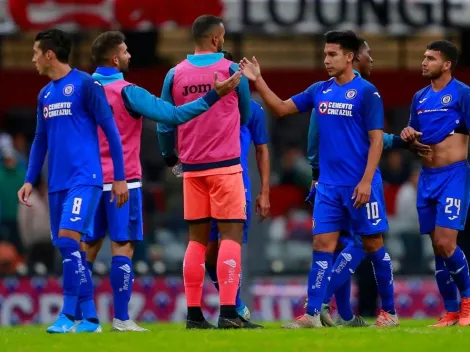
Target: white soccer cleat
304, 322
386, 320
325, 315
127, 325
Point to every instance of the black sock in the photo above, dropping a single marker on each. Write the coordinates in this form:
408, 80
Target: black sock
71, 317
195, 314
93, 320
229, 312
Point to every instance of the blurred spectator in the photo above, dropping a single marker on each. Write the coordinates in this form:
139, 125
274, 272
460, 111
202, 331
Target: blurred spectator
295, 167
395, 169
8, 258
12, 176
33, 224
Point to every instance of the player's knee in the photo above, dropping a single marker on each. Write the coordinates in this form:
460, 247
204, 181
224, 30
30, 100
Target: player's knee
444, 246
124, 249
372, 243
92, 249
211, 254
323, 243
70, 234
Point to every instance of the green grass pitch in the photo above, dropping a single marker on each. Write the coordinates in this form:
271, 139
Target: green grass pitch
412, 335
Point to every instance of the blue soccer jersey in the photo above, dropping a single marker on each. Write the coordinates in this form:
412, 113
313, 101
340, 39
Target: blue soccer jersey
345, 115
68, 113
439, 114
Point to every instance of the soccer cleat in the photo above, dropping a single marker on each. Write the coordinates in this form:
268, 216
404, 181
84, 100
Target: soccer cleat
237, 323
87, 326
126, 325
325, 315
448, 319
244, 312
386, 320
464, 319
304, 322
62, 325
200, 325
356, 322
249, 325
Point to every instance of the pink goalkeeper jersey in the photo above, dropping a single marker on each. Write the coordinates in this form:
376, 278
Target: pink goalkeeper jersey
211, 140
130, 130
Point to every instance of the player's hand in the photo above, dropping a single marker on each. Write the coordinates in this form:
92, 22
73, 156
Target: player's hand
120, 192
224, 87
409, 134
422, 150
361, 193
24, 193
250, 69
311, 195
262, 206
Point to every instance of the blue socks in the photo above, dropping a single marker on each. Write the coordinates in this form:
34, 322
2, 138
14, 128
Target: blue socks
383, 271
121, 279
71, 263
86, 295
212, 271
340, 283
446, 286
458, 268
318, 280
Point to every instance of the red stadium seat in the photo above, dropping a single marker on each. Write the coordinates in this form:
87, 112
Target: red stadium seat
285, 197
390, 193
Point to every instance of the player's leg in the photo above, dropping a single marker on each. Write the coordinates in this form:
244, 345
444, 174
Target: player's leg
327, 222
197, 214
212, 253
370, 221
125, 229
228, 208
78, 211
452, 208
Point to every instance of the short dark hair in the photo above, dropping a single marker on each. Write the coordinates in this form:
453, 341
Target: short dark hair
448, 50
346, 39
203, 24
227, 55
57, 41
104, 44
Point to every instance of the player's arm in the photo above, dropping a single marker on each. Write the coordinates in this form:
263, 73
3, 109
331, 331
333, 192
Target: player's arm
167, 133
465, 105
257, 126
278, 107
36, 157
312, 146
98, 106
244, 96
411, 132
374, 122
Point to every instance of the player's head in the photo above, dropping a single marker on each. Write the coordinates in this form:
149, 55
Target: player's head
440, 58
364, 60
341, 49
109, 49
227, 55
51, 47
208, 33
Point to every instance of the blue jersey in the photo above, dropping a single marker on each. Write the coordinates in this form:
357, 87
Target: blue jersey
439, 114
68, 113
254, 130
345, 115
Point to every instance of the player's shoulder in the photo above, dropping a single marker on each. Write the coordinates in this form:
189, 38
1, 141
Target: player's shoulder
365, 84
420, 93
44, 91
319, 86
255, 106
460, 86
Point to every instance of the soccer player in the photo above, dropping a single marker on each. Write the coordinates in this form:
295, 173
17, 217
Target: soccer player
441, 113
349, 191
254, 131
209, 150
349, 253
69, 110
129, 103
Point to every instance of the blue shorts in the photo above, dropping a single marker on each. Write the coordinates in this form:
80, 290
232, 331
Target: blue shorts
123, 224
443, 197
215, 235
334, 211
73, 209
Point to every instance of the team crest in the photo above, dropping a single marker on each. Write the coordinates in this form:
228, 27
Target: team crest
446, 99
351, 94
45, 112
323, 107
68, 90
